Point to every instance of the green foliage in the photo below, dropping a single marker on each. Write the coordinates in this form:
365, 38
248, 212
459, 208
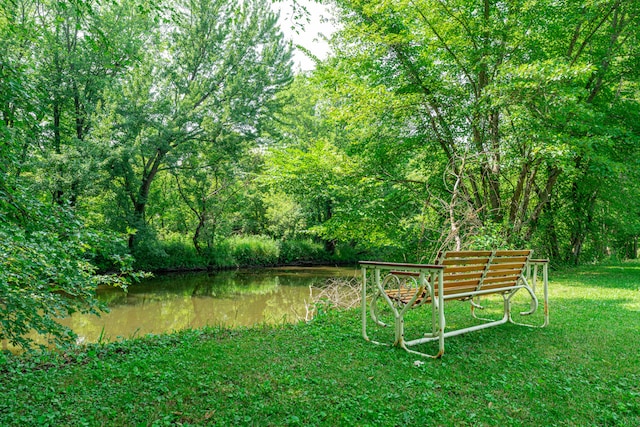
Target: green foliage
491, 235
300, 251
173, 252
253, 251
46, 270
465, 117
193, 106
284, 218
98, 100
435, 124
583, 369
50, 261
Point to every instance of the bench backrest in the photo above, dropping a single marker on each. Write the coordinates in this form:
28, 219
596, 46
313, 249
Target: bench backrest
472, 271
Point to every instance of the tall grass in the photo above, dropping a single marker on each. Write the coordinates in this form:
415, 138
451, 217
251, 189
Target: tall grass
302, 251
253, 251
173, 252
176, 252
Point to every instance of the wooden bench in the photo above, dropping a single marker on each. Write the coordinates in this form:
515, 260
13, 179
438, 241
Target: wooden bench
455, 275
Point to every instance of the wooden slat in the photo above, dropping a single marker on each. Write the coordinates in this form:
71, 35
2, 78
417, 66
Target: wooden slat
405, 273
452, 290
497, 286
463, 269
526, 252
474, 275
399, 265
468, 254
465, 261
405, 295
454, 283
502, 273
506, 279
498, 267
507, 260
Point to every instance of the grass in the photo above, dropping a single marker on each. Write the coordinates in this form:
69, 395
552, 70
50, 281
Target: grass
583, 370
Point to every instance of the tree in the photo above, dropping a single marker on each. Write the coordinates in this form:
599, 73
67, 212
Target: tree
48, 268
201, 95
50, 260
77, 49
514, 104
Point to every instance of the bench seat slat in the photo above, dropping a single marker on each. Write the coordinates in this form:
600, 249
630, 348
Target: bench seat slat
505, 286
462, 276
513, 253
401, 293
507, 279
465, 282
502, 273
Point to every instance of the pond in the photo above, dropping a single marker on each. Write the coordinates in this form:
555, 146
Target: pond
174, 302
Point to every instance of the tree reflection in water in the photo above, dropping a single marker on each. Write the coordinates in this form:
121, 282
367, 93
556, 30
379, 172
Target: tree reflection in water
181, 301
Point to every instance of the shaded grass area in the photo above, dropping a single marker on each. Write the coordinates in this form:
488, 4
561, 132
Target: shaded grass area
583, 370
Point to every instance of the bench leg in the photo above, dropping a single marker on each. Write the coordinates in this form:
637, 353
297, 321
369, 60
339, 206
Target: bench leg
438, 322
506, 311
438, 334
365, 284
437, 316
534, 299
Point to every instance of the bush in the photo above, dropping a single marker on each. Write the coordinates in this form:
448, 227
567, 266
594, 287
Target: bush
175, 252
182, 254
148, 251
346, 254
220, 255
46, 272
253, 251
292, 251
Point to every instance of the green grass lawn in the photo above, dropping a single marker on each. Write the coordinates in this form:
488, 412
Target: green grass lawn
582, 370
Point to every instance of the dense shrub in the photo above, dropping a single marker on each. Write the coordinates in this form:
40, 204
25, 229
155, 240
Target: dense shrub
46, 271
253, 251
296, 251
174, 252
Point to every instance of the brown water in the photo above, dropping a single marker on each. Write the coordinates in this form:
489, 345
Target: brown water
182, 301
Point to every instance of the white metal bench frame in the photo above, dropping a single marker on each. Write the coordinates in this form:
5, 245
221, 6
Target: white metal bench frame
418, 284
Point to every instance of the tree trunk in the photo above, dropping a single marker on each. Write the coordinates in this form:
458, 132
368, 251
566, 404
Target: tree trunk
580, 233
140, 201
57, 146
544, 195
329, 245
196, 234
553, 242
